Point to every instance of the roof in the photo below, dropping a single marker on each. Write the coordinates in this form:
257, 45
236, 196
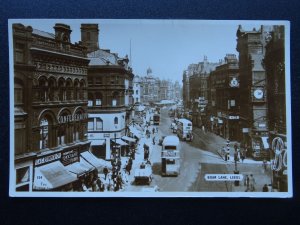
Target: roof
102, 57
43, 33
184, 120
171, 140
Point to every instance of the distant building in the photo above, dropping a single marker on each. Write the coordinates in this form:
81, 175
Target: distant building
109, 96
199, 91
136, 90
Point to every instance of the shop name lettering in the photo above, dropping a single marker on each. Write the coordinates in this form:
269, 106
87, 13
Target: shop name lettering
71, 118
70, 156
47, 159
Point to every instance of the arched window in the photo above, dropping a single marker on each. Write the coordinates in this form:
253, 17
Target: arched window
61, 89
81, 90
116, 121
44, 133
115, 98
69, 90
52, 86
76, 89
43, 89
99, 124
61, 135
98, 99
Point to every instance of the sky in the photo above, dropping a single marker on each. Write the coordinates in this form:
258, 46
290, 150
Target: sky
166, 46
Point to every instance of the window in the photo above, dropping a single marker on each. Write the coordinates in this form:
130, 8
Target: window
91, 124
98, 101
18, 94
112, 80
90, 103
20, 53
136, 92
44, 137
61, 135
114, 102
98, 80
99, 124
116, 121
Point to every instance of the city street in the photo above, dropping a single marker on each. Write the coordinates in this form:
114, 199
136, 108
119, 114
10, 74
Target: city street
198, 158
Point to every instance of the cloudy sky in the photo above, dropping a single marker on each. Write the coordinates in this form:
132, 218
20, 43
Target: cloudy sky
166, 46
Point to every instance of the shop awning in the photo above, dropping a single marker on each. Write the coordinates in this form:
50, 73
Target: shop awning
265, 142
120, 142
125, 138
80, 167
135, 132
98, 163
51, 176
97, 142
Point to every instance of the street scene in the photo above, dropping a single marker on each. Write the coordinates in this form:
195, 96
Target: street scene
149, 107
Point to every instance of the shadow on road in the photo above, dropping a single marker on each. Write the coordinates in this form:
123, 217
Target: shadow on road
156, 168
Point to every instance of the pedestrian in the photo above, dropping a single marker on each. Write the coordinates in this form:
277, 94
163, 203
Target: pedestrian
251, 183
128, 168
265, 188
265, 165
156, 129
242, 155
153, 130
246, 182
153, 140
105, 171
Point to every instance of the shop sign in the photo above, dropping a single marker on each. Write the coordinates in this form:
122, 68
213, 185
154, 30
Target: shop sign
69, 157
245, 130
234, 117
261, 125
47, 159
71, 118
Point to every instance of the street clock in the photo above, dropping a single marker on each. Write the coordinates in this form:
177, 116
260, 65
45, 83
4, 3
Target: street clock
258, 93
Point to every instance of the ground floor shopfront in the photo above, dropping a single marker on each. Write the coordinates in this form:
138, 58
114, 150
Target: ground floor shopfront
63, 169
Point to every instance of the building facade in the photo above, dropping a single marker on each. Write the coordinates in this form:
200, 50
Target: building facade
199, 92
223, 100
110, 91
274, 63
136, 90
50, 98
253, 90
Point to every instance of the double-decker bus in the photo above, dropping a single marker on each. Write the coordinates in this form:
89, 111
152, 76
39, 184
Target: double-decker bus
156, 119
170, 156
184, 129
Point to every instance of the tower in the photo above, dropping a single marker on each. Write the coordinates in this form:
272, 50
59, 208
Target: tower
89, 36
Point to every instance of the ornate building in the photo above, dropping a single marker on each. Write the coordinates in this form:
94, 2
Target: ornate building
50, 89
110, 100
223, 100
274, 63
253, 90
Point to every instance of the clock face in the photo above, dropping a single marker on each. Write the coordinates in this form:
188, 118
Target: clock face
259, 94
234, 82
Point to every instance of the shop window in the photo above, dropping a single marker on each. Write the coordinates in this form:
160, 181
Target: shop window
99, 124
91, 124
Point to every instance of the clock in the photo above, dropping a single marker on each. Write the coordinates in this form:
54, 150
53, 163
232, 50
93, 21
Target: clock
234, 82
258, 93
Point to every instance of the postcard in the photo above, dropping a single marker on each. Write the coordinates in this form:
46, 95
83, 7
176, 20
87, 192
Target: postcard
150, 108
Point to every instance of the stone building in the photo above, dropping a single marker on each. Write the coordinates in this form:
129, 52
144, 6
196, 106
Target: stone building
50, 114
253, 90
223, 100
110, 90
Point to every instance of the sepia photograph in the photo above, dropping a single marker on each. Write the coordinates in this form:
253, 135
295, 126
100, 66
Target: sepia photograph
150, 108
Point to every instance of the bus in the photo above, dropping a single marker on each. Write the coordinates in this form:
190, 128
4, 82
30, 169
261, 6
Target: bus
184, 129
156, 119
170, 156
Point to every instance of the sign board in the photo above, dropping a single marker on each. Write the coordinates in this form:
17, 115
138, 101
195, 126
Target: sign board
245, 130
69, 157
234, 117
47, 159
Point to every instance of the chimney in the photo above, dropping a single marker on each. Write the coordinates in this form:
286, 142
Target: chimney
62, 32
90, 36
